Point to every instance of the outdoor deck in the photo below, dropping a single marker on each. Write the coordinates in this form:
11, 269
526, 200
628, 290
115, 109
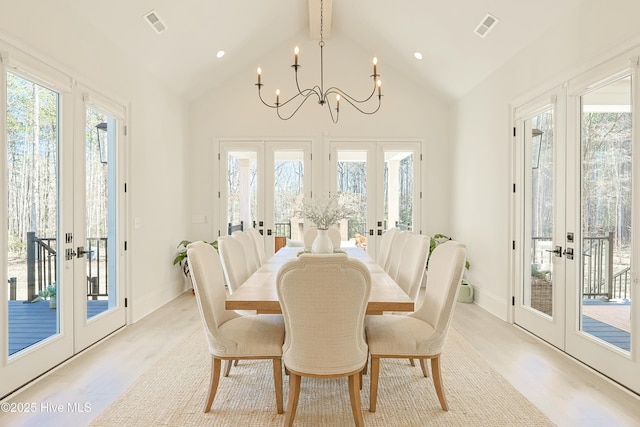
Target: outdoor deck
608, 321
30, 323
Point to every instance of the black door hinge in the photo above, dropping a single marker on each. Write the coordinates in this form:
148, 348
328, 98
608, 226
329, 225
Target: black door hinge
125, 303
513, 300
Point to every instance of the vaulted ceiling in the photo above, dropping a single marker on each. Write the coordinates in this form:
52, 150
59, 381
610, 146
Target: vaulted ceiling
455, 59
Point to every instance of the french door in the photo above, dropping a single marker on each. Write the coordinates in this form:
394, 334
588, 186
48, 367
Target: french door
99, 205
60, 200
577, 167
540, 167
384, 179
262, 186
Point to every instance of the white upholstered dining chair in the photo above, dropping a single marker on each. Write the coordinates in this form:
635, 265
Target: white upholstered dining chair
413, 265
395, 254
336, 238
233, 262
385, 247
421, 334
324, 300
258, 241
309, 236
250, 255
229, 335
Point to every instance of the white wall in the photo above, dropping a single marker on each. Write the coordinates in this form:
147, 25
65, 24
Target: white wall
409, 110
157, 137
481, 134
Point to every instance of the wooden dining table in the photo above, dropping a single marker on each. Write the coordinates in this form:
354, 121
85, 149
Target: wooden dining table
259, 291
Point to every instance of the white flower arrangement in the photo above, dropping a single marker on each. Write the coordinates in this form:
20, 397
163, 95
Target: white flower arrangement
326, 211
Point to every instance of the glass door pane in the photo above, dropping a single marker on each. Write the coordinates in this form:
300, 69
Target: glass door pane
351, 181
242, 184
32, 197
606, 213
399, 187
100, 213
288, 184
538, 285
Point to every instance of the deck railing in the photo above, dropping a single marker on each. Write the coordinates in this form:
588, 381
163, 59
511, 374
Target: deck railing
598, 270
42, 266
283, 229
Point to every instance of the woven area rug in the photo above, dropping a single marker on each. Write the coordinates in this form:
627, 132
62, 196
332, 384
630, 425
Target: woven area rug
173, 391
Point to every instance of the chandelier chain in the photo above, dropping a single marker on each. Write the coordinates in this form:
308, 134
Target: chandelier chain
321, 20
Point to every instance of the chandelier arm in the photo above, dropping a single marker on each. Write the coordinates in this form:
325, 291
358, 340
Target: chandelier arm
354, 104
316, 89
334, 120
345, 95
306, 98
308, 93
263, 101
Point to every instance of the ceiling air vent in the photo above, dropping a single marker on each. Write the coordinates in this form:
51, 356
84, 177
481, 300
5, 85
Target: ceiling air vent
488, 22
155, 22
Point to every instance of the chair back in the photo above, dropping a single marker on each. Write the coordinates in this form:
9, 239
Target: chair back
385, 247
334, 235
250, 255
233, 262
258, 241
446, 266
309, 236
324, 300
208, 284
413, 264
395, 254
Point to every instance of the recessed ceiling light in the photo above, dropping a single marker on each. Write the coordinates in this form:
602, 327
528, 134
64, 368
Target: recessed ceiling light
220, 53
417, 55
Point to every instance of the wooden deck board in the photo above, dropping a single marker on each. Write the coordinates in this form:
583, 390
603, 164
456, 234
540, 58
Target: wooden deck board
30, 323
607, 333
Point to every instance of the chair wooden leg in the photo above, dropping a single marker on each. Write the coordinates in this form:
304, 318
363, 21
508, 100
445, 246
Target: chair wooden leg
294, 394
375, 370
227, 367
277, 380
213, 384
425, 367
437, 381
412, 362
354, 395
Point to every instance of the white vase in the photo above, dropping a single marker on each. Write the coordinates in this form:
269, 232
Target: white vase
322, 243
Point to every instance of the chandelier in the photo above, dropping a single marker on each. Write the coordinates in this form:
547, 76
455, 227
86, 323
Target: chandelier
319, 92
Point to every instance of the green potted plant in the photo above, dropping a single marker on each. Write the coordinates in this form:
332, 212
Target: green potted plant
466, 290
181, 256
49, 293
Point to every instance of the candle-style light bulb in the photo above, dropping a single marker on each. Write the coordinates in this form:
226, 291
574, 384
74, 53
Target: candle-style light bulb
379, 83
375, 63
259, 74
296, 51
277, 96
337, 102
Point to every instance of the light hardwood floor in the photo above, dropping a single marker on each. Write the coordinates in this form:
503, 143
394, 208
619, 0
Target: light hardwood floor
566, 391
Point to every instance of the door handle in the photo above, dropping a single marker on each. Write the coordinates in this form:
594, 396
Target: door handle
82, 252
556, 252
